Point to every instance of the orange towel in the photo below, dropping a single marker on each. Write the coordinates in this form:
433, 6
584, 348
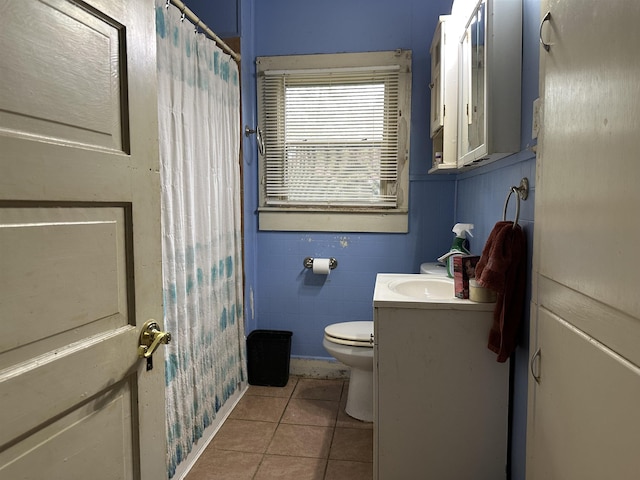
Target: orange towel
502, 267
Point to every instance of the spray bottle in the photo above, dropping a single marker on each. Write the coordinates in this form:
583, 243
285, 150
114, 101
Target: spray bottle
459, 246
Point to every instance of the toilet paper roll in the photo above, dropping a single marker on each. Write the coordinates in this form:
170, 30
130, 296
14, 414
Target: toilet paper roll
321, 266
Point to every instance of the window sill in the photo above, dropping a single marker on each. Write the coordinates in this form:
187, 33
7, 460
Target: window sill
379, 221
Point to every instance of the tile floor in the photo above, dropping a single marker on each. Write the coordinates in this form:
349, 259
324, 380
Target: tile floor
297, 432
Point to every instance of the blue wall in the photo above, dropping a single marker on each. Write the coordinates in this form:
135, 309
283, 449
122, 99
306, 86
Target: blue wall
480, 198
250, 154
289, 297
280, 293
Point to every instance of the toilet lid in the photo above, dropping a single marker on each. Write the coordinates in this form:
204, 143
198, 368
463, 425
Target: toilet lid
350, 333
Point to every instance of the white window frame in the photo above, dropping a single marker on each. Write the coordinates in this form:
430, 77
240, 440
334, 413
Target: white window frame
392, 219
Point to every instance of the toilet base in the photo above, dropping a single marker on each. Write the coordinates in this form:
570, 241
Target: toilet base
360, 360
360, 395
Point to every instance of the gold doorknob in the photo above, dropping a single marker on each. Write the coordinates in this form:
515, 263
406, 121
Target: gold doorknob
150, 338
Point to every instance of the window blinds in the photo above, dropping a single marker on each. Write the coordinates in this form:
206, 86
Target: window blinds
331, 137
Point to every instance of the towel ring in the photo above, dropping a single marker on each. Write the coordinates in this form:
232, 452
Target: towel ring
522, 192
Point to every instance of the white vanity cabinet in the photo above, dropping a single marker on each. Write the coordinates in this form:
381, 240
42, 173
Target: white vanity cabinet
440, 397
444, 94
489, 82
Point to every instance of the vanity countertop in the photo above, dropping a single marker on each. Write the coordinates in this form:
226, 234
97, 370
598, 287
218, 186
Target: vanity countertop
386, 294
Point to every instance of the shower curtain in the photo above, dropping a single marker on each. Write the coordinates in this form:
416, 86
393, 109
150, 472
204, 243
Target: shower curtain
199, 130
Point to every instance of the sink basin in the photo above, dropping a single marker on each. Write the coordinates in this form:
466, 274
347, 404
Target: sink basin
424, 288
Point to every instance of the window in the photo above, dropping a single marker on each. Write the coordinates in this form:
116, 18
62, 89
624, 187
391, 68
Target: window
336, 134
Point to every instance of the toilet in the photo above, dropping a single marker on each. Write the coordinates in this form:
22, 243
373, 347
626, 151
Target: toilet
434, 268
352, 344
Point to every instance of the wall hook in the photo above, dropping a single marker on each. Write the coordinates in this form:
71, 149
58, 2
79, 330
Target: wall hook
259, 138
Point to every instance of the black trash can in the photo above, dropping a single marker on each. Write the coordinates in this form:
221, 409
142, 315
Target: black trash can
268, 356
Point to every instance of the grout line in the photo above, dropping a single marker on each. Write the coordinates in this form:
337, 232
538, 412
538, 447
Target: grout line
264, 454
333, 433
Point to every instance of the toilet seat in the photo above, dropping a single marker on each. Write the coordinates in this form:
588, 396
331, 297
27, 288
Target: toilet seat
355, 334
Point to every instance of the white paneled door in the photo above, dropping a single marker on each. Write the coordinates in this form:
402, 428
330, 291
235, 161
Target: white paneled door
584, 391
80, 256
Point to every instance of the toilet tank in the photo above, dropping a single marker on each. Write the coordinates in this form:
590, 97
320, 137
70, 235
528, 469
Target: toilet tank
434, 268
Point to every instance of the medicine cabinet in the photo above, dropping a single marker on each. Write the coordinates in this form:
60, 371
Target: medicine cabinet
489, 82
444, 92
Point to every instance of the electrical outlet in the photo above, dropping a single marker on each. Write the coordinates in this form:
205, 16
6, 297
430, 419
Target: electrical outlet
535, 124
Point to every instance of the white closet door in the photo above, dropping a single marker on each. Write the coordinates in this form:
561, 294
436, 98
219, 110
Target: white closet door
583, 409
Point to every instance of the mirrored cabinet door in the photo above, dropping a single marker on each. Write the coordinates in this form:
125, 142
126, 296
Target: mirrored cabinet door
476, 119
490, 58
444, 95
437, 81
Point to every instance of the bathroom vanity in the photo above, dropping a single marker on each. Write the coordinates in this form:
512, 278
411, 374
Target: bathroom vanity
440, 397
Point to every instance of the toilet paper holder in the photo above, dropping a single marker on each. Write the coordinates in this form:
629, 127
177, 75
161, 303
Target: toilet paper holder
308, 263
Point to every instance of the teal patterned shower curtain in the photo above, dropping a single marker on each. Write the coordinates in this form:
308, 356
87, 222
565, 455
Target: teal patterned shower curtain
199, 130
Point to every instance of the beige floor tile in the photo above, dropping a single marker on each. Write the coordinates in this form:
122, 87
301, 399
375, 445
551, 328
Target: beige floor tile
298, 447
301, 441
316, 389
225, 465
354, 444
346, 470
244, 435
291, 468
301, 411
274, 391
266, 409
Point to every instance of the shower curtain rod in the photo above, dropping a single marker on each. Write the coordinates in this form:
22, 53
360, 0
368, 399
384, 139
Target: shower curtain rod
193, 18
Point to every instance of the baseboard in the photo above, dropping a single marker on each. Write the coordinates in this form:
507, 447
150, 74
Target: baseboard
207, 436
316, 368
